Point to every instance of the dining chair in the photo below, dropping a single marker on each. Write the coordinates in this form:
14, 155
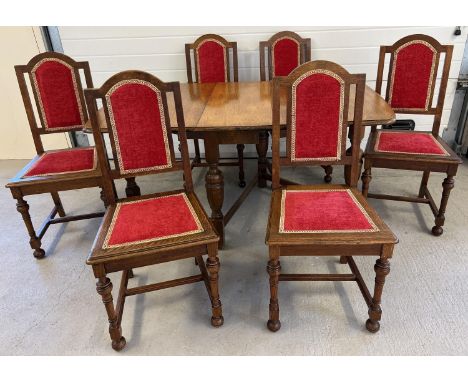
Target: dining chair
212, 64
322, 220
55, 83
152, 229
412, 76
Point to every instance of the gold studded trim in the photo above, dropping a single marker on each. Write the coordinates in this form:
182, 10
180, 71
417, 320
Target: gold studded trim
64, 172
224, 58
377, 142
359, 205
431, 77
273, 52
121, 165
39, 97
116, 214
293, 117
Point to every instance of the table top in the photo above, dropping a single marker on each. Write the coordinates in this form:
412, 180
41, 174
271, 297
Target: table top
247, 106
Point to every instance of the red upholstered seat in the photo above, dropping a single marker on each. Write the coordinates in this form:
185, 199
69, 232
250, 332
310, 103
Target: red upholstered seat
286, 56
408, 143
63, 162
322, 211
152, 219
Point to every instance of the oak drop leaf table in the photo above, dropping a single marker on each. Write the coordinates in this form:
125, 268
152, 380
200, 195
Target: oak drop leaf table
240, 113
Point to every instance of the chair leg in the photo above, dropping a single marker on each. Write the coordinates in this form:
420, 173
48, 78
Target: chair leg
212, 265
23, 208
274, 268
104, 288
343, 260
447, 185
131, 275
423, 185
58, 203
240, 157
197, 151
132, 188
366, 178
328, 173
382, 269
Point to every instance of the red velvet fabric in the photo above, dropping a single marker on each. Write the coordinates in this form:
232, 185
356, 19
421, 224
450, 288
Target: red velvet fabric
410, 143
413, 68
63, 161
58, 96
137, 116
317, 117
152, 219
323, 211
211, 62
286, 56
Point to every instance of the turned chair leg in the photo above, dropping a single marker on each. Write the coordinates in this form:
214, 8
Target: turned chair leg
132, 188
382, 269
366, 178
58, 203
104, 288
447, 185
240, 157
212, 265
328, 173
274, 268
23, 208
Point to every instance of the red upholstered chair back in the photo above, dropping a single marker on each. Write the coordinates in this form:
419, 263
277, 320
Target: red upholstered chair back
286, 51
211, 56
136, 110
412, 74
317, 103
56, 86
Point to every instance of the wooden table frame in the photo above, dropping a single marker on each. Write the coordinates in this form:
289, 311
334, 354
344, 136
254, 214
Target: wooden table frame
233, 113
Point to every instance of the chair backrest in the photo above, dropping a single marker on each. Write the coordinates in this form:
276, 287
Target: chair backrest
318, 95
412, 74
56, 86
211, 56
135, 106
286, 51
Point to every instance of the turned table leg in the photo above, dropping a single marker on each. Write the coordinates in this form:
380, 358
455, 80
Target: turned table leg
240, 158
104, 288
366, 177
447, 185
23, 208
262, 149
382, 269
212, 265
214, 183
328, 173
274, 268
132, 188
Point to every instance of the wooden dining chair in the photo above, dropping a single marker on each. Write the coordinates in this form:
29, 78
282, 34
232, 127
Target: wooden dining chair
54, 80
414, 63
212, 64
152, 229
322, 220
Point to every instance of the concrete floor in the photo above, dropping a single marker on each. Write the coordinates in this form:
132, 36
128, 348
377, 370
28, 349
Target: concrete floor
50, 306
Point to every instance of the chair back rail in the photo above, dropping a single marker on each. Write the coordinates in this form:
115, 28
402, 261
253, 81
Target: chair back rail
310, 84
275, 41
138, 100
206, 50
419, 54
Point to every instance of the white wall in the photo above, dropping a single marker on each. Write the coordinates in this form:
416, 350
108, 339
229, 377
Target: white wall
18, 45
160, 50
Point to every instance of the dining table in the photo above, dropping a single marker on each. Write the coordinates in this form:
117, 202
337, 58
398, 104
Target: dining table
241, 113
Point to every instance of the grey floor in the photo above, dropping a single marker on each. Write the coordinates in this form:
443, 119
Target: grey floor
50, 306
